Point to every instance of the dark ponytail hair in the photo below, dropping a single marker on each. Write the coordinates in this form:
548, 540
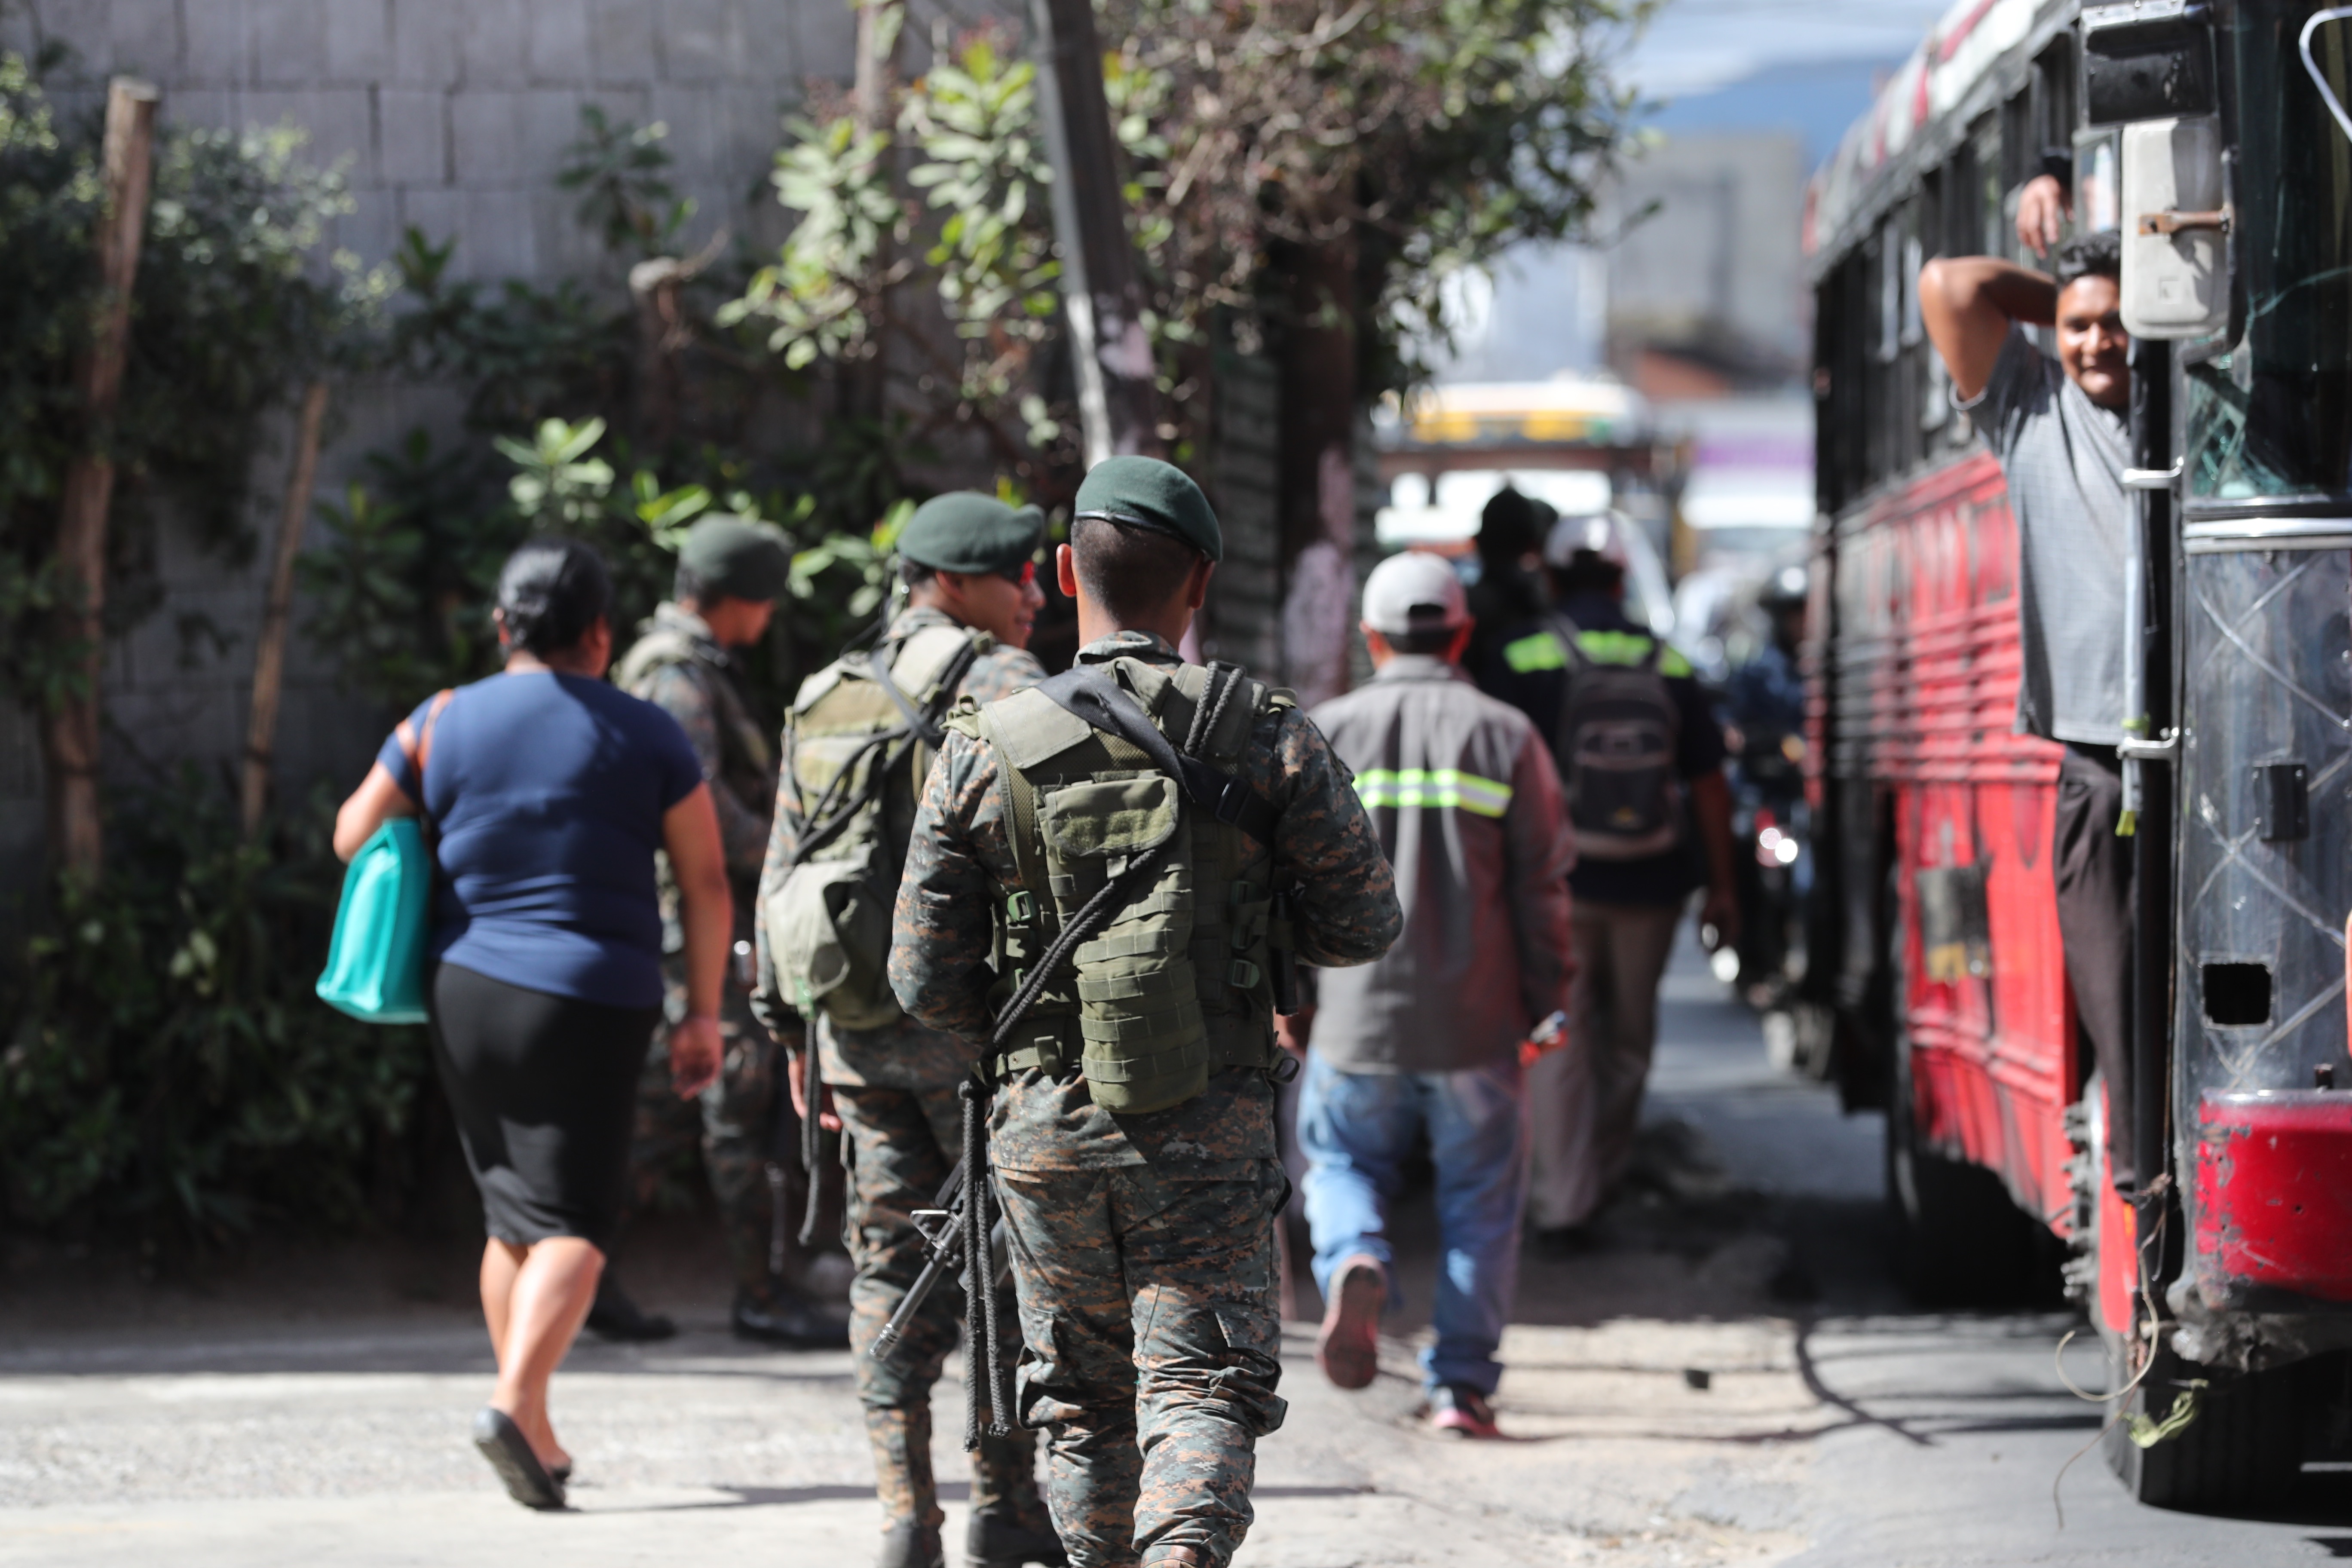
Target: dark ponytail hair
550, 592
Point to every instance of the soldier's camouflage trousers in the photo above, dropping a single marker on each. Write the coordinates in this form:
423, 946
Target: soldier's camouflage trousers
732, 1126
902, 1144
1149, 1307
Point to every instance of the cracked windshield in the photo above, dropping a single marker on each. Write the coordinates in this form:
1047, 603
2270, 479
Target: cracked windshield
2271, 415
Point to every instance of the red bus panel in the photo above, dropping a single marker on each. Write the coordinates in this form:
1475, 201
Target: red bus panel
1984, 999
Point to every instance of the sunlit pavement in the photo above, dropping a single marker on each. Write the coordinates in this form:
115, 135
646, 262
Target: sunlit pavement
1835, 1426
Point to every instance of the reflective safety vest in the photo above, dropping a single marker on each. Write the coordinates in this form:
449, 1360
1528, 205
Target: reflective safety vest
1615, 736
1178, 983
1543, 650
1441, 789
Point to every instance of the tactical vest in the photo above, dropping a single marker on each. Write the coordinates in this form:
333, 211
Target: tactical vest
1178, 983
858, 762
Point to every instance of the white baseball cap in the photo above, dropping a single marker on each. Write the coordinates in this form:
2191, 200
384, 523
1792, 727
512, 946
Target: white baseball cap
1595, 532
1412, 592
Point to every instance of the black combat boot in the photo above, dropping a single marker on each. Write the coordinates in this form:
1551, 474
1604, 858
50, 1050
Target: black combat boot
788, 1319
616, 1317
912, 1545
997, 1538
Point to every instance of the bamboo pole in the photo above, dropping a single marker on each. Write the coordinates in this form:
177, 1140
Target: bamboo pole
71, 728
269, 652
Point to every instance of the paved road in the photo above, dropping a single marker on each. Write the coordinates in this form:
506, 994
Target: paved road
324, 1421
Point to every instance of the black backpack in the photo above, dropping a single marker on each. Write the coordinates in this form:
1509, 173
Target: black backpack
1615, 743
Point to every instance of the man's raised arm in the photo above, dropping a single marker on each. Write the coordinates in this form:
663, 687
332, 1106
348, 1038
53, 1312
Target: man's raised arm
1968, 303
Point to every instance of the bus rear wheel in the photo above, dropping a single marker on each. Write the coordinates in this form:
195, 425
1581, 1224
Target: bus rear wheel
2241, 1449
1964, 1241
2242, 1445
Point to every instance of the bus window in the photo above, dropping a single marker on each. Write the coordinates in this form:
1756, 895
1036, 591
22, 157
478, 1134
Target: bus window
2098, 187
2053, 97
1891, 293
1996, 225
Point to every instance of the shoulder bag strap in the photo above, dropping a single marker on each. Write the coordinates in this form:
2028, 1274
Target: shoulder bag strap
417, 747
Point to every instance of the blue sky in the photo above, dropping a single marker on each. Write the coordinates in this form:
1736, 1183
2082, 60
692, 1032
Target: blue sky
1693, 45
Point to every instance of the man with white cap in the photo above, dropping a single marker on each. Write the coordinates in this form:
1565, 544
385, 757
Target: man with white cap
1462, 792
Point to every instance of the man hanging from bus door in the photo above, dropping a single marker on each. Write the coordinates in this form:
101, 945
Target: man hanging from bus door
2059, 427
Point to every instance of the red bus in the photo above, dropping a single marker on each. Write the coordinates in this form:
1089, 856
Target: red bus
2215, 137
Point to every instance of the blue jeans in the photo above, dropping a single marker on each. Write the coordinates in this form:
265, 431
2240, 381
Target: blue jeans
1356, 1128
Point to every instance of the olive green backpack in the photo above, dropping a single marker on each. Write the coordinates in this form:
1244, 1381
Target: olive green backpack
1138, 850
863, 732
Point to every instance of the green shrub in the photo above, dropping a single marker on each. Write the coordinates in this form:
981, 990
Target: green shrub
171, 1076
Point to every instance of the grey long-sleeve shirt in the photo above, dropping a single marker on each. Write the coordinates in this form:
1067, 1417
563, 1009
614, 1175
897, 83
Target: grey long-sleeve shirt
1462, 793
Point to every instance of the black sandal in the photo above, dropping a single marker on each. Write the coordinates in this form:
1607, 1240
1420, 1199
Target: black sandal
509, 1453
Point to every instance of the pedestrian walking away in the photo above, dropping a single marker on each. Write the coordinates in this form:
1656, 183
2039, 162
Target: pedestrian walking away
856, 749
1510, 589
550, 792
1167, 813
2058, 426
731, 572
1425, 1042
1640, 757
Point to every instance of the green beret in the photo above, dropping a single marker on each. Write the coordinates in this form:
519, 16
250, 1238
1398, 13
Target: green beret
1144, 492
964, 530
736, 558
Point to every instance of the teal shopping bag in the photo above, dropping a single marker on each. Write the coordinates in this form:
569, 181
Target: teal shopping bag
375, 968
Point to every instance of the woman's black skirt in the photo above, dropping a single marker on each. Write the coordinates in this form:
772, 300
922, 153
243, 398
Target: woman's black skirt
544, 1089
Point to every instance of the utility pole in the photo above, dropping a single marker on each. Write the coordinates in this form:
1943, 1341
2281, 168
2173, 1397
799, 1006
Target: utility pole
69, 730
1117, 398
866, 382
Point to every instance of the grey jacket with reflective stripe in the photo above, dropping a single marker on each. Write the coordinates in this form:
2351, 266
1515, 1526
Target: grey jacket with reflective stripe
1463, 796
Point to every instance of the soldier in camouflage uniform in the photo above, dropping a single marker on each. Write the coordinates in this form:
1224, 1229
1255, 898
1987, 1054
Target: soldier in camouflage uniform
1143, 1245
731, 572
967, 561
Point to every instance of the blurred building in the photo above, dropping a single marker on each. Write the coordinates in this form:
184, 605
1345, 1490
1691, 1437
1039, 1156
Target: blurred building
1691, 309
1705, 278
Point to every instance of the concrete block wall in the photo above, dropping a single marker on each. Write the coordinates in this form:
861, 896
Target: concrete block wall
451, 116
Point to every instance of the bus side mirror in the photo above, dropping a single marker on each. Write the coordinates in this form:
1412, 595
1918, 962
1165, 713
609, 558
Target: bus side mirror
2176, 229
2148, 59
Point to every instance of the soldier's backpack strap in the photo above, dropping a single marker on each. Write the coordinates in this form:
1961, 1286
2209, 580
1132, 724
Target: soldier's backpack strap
931, 663
1024, 731
657, 648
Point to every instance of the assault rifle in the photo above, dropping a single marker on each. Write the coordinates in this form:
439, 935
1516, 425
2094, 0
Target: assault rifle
943, 1230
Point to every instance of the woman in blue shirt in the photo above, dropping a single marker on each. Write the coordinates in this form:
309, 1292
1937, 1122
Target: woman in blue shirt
549, 791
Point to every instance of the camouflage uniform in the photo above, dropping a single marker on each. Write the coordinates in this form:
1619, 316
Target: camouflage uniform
895, 1088
679, 667
1142, 1246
